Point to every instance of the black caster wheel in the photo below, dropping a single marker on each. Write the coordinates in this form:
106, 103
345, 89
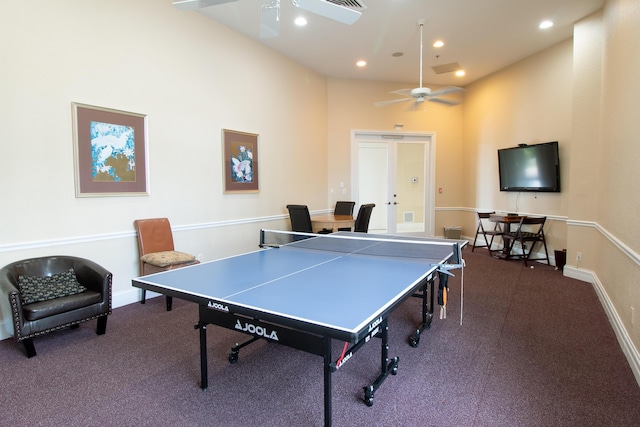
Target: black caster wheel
413, 341
233, 358
368, 395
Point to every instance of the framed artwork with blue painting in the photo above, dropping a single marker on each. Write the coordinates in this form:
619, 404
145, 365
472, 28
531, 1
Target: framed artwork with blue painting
110, 149
240, 154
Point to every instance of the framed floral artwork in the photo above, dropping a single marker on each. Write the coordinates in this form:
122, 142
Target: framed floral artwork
110, 148
240, 157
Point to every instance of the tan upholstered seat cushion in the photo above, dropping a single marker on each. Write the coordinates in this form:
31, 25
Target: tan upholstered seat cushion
167, 258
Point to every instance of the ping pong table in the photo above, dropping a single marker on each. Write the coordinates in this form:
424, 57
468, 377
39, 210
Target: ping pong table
306, 290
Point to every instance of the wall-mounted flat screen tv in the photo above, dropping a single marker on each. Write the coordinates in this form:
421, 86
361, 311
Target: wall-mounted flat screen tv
530, 168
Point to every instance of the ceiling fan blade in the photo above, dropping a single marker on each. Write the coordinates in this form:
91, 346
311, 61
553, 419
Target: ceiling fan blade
329, 10
198, 4
444, 101
393, 101
449, 89
405, 92
270, 20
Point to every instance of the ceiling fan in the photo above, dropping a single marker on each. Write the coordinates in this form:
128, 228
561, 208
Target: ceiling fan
270, 16
421, 94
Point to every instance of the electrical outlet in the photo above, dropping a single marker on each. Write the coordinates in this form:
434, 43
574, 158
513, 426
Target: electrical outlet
579, 256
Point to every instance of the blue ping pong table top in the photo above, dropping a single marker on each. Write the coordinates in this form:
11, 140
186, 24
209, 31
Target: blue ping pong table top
336, 292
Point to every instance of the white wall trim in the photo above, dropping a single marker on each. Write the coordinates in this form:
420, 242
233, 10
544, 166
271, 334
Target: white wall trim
131, 234
634, 256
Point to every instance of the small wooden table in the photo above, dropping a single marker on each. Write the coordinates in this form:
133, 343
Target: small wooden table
505, 222
331, 222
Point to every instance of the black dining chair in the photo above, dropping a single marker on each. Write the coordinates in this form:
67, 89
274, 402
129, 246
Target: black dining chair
362, 220
344, 208
300, 218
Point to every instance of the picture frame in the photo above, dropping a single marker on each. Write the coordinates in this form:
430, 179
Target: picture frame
110, 152
240, 162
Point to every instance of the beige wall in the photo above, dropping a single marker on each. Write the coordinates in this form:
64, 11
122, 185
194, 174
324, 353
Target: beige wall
351, 107
605, 173
192, 78
528, 102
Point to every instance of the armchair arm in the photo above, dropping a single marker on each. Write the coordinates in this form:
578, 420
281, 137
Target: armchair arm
92, 275
10, 301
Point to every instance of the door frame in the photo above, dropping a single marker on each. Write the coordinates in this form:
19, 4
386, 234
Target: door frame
429, 138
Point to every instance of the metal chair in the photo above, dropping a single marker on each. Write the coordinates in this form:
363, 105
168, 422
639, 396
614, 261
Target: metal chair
480, 230
362, 220
156, 250
530, 230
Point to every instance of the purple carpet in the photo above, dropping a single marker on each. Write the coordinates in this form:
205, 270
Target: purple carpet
535, 349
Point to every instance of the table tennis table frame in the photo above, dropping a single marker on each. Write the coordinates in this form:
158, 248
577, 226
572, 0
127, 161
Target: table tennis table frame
311, 338
318, 343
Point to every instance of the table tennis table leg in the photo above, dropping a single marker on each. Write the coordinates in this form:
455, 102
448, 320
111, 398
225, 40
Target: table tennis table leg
327, 381
427, 311
204, 374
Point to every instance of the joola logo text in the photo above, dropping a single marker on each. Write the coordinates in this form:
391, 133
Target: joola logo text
218, 306
344, 360
375, 323
257, 330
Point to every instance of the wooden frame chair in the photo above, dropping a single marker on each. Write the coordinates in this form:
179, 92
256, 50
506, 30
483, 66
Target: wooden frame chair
530, 231
480, 230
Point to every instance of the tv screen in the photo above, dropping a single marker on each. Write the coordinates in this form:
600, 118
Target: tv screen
530, 168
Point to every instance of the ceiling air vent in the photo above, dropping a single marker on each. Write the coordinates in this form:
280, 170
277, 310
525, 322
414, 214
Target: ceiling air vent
351, 4
446, 68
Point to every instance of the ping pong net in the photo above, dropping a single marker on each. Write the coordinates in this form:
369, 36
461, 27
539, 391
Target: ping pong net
435, 251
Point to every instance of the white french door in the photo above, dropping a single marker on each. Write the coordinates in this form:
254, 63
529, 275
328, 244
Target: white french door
395, 171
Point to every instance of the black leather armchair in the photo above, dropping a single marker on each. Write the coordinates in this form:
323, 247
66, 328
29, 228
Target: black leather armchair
41, 317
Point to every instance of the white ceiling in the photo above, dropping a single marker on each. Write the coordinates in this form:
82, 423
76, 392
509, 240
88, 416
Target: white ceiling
482, 36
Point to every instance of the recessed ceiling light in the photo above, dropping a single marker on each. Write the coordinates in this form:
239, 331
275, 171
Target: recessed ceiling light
438, 43
545, 24
361, 63
460, 73
301, 21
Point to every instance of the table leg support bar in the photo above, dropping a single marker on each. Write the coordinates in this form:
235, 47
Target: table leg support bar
387, 367
427, 312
